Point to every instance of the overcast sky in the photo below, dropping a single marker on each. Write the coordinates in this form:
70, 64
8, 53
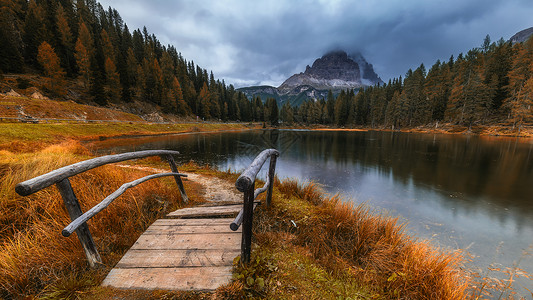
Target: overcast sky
253, 42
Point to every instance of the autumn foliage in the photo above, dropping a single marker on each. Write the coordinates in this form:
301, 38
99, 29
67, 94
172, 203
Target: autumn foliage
81, 43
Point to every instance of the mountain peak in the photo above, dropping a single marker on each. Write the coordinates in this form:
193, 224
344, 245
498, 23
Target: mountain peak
521, 36
335, 70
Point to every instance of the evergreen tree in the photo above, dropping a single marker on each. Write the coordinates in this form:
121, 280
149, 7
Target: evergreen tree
181, 107
330, 102
113, 87
204, 102
470, 98
52, 69
519, 101
34, 33
273, 113
84, 53
132, 67
66, 38
107, 47
341, 109
11, 59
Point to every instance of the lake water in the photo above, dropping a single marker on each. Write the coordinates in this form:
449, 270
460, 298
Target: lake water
460, 192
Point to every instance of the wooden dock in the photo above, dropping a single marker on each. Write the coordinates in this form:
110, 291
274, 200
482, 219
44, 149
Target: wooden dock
192, 249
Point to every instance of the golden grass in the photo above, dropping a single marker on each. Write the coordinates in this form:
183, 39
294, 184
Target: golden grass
34, 257
352, 244
20, 137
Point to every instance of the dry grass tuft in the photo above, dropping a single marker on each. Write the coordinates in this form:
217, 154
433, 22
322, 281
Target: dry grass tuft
372, 249
33, 254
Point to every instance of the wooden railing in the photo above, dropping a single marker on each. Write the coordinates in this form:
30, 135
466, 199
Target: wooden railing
60, 178
246, 184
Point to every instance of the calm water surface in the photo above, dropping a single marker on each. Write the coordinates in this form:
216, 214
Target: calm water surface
473, 193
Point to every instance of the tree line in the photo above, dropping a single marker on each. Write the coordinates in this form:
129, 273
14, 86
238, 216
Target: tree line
491, 84
82, 42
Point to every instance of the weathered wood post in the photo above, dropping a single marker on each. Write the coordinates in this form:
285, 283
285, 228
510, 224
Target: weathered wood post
179, 182
271, 172
74, 211
248, 210
246, 184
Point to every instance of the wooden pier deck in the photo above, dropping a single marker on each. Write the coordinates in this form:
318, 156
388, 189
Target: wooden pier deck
180, 253
190, 249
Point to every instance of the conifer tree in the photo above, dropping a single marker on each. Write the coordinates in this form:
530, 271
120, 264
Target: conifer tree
34, 33
181, 106
131, 70
113, 87
65, 36
469, 99
168, 101
204, 102
52, 69
11, 59
84, 51
341, 109
107, 46
287, 113
273, 113
519, 101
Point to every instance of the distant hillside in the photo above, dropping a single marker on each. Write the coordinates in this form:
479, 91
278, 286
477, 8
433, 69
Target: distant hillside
294, 97
88, 54
334, 71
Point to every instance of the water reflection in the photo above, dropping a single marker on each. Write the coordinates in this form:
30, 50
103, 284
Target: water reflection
473, 173
459, 191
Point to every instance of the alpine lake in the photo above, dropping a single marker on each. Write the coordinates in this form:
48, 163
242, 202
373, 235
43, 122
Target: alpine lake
473, 193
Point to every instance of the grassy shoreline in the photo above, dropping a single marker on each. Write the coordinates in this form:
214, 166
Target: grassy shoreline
24, 137
305, 245
481, 130
288, 260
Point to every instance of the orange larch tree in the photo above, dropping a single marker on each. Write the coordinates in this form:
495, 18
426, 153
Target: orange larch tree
52, 69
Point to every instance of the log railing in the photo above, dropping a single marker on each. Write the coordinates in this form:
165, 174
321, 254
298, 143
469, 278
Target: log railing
246, 184
60, 178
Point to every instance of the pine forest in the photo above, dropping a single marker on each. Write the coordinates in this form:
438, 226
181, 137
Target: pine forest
490, 85
66, 40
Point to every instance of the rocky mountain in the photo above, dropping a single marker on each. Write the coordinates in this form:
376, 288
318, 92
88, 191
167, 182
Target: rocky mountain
334, 71
521, 36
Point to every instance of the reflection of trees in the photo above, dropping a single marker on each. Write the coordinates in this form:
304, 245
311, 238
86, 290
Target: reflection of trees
474, 166
501, 169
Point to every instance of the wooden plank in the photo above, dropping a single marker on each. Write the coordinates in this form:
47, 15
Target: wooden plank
187, 279
206, 211
192, 222
170, 229
188, 241
177, 258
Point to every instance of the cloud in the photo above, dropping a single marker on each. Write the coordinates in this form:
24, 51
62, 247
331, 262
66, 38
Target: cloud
265, 42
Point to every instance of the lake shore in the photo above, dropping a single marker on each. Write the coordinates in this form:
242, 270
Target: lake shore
27, 240
481, 130
278, 264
